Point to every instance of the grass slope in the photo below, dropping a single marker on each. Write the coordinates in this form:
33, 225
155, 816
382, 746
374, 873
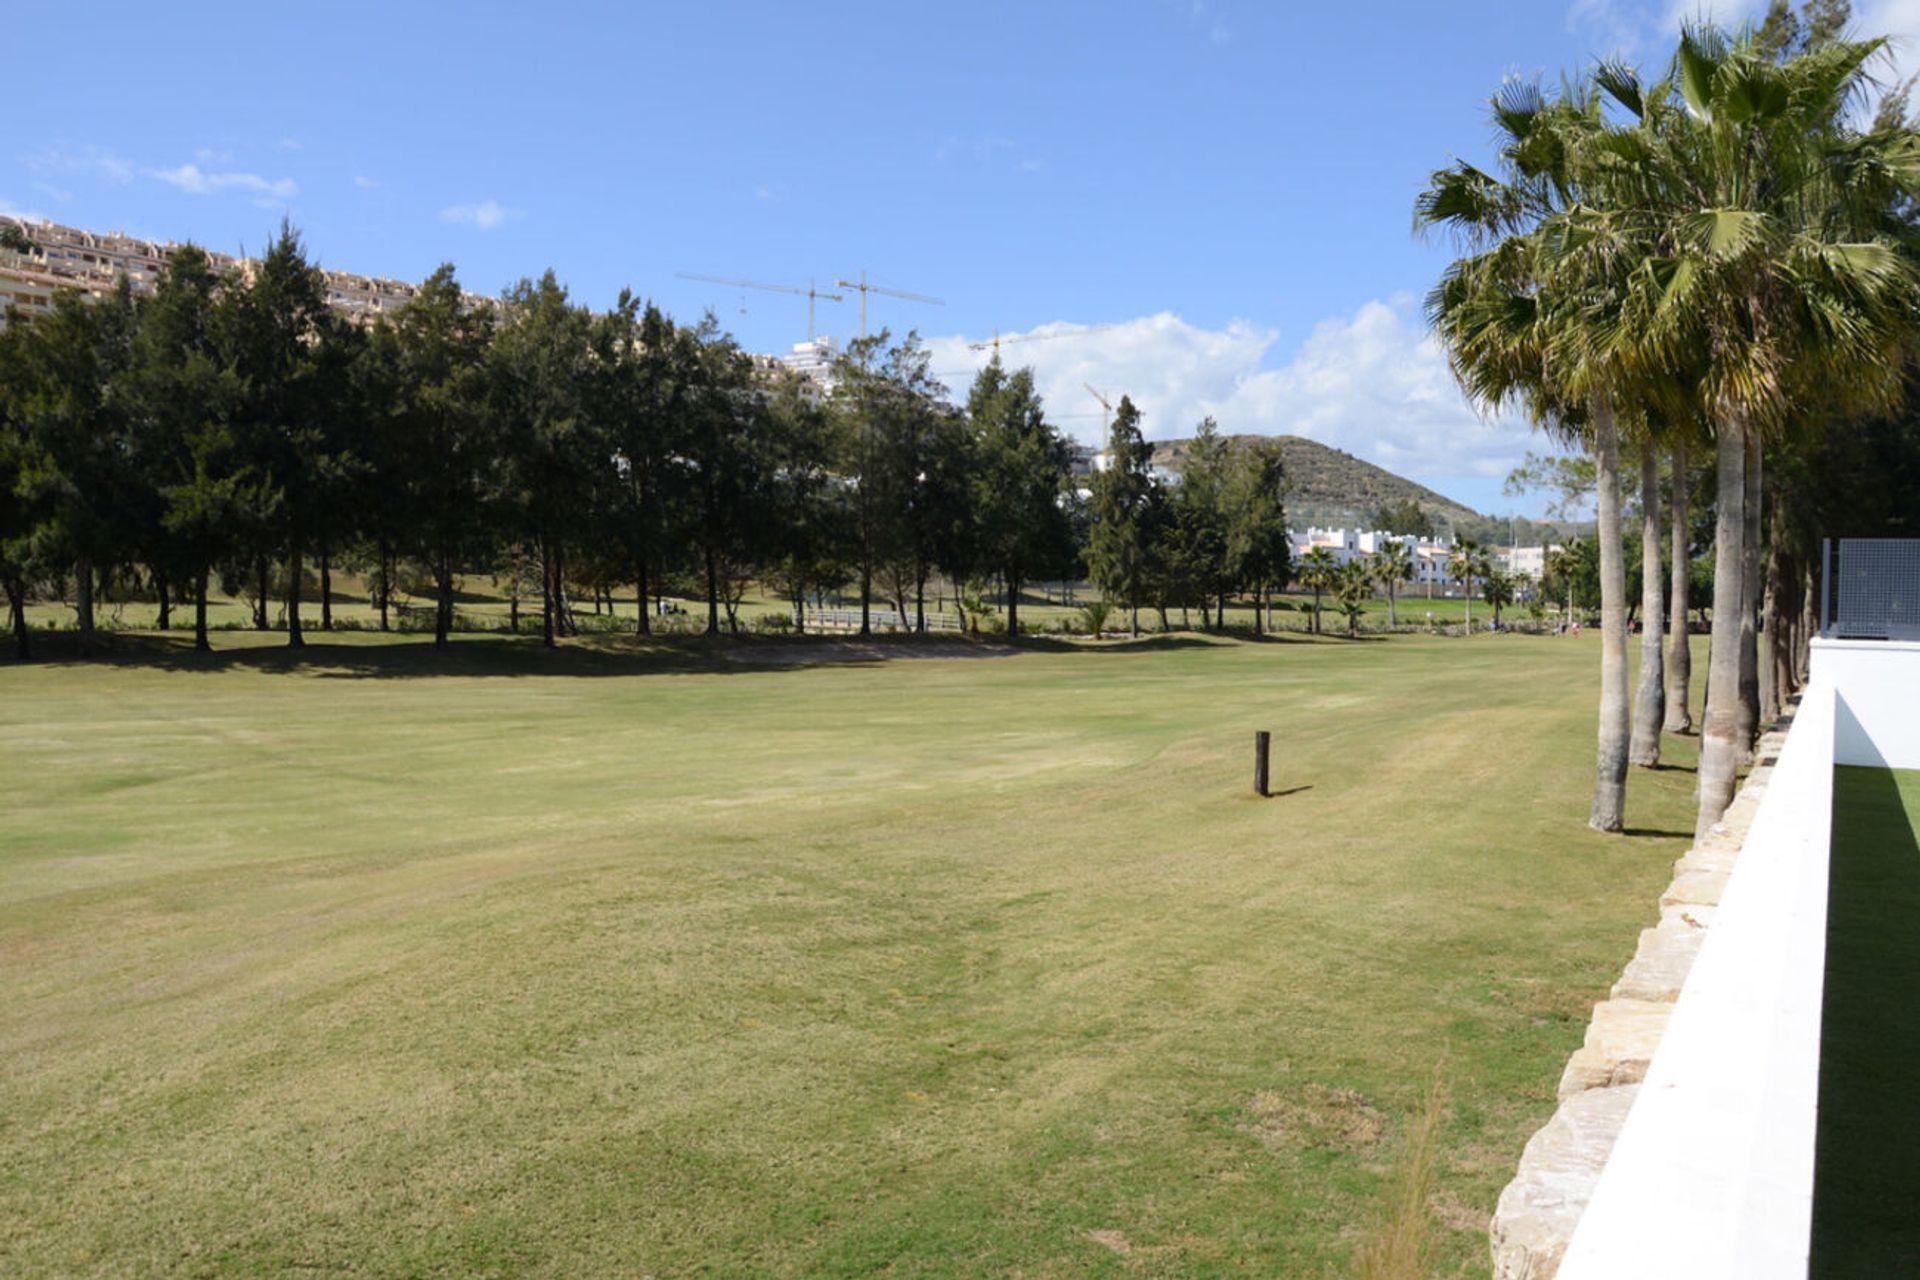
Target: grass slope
650, 962
1866, 1179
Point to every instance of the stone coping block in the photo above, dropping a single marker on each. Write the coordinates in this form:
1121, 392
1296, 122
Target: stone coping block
1620, 1043
1698, 888
1538, 1210
1662, 962
1535, 1219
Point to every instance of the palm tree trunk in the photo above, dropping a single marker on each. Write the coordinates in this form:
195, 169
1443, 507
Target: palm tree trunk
1809, 624
1610, 771
1776, 607
160, 586
1013, 607
1649, 703
1720, 748
1680, 652
1393, 618
1750, 581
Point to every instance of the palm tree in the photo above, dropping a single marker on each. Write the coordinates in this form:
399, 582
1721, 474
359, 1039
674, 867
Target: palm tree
1316, 573
1785, 273
1468, 561
1679, 669
1392, 565
1649, 698
1352, 588
1550, 313
1497, 589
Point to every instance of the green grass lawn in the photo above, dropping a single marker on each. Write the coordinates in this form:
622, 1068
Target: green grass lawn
653, 962
1867, 1179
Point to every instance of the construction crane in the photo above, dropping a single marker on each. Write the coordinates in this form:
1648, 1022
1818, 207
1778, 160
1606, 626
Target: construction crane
1106, 418
996, 340
865, 289
809, 293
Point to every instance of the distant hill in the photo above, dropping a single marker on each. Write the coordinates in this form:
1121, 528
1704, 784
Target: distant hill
1329, 486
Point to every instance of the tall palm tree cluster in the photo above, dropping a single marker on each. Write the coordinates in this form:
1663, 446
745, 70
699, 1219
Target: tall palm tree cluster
1720, 257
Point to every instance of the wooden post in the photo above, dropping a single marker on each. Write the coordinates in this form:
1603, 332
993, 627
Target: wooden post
1262, 740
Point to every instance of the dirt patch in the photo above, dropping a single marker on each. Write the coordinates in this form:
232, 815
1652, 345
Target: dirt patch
801, 655
1114, 1240
1315, 1115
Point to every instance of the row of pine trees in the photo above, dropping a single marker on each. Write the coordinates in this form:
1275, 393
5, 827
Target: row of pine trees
233, 435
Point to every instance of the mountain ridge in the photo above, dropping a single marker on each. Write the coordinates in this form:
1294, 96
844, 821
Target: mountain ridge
1328, 485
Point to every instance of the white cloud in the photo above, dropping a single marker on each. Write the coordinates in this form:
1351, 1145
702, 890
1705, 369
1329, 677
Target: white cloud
488, 215
363, 182
96, 162
194, 180
1900, 21
1645, 29
51, 192
1373, 383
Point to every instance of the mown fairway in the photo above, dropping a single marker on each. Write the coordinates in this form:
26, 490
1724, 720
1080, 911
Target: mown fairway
604, 962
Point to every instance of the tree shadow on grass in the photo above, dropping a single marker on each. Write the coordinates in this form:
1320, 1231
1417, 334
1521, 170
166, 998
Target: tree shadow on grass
1159, 642
1656, 833
358, 654
406, 655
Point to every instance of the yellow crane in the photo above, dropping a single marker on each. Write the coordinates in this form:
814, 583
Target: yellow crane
1106, 419
865, 289
995, 341
809, 293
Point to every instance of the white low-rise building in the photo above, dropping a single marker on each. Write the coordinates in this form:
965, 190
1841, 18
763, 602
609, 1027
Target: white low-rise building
1428, 556
1528, 562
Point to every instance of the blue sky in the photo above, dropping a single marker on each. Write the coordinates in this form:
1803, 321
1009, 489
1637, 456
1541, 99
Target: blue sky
1225, 185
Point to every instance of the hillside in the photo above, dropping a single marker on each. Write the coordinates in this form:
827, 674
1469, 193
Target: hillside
1328, 486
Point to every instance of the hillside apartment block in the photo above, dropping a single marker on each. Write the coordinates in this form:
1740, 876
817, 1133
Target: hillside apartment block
93, 262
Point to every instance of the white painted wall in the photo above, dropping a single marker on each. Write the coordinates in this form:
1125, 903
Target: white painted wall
1877, 721
1712, 1175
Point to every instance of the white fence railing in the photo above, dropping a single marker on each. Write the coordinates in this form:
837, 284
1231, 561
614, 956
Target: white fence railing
879, 619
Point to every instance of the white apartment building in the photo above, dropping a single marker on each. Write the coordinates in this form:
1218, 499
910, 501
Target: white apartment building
72, 258
1528, 562
814, 360
1429, 557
